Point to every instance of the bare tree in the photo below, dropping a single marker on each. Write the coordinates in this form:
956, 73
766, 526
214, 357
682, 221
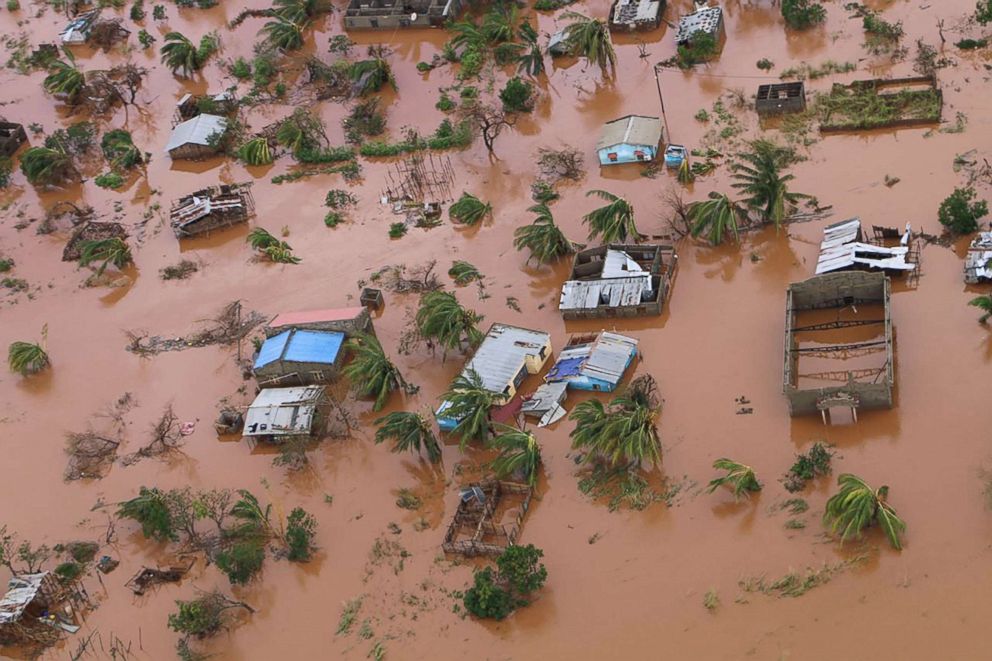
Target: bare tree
490, 120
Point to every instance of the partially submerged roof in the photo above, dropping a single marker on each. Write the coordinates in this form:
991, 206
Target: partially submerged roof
604, 359
705, 20
978, 261
503, 352
842, 249
283, 411
315, 316
635, 12
622, 282
196, 131
21, 591
301, 346
78, 29
631, 130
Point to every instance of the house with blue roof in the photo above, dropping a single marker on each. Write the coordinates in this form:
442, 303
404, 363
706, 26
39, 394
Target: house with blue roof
300, 357
594, 362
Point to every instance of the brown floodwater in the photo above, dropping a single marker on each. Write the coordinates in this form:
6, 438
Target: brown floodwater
637, 592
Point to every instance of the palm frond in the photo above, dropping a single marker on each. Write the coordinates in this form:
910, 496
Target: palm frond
410, 432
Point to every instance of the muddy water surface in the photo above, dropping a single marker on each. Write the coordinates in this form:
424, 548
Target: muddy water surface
637, 592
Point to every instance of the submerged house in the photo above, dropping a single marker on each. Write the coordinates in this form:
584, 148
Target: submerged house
189, 106
708, 20
594, 362
77, 31
633, 15
343, 320
630, 139
25, 605
618, 281
197, 138
211, 208
844, 249
978, 261
302, 357
279, 413
90, 231
780, 98
503, 360
12, 136
391, 14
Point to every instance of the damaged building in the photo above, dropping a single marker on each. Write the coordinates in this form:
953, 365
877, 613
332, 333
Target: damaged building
349, 321
90, 231
619, 281
838, 344
392, 14
488, 518
30, 612
210, 209
77, 31
844, 248
633, 15
780, 98
705, 19
190, 105
299, 357
978, 260
12, 136
281, 413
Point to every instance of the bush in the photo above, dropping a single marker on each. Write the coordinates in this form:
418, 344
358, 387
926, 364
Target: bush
972, 44
445, 104
702, 47
396, 230
983, 11
241, 561
485, 599
520, 568
109, 180
241, 69
138, 10
802, 14
959, 214
517, 96
807, 466
495, 596
333, 218
5, 169
300, 529
68, 571
13, 5
765, 64
145, 39
471, 62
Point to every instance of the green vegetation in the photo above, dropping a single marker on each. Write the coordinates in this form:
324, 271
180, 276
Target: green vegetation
158, 12
711, 600
878, 27
255, 151
517, 95
864, 108
463, 272
300, 530
445, 103
409, 432
983, 303
959, 213
531, 58
201, 617
714, 217
6, 167
120, 151
65, 79
759, 178
857, 506
543, 238
447, 136
283, 33
150, 509
145, 39
804, 70
364, 120
765, 64
518, 453
275, 250
702, 47
621, 432
27, 358
370, 371
442, 319
613, 222
180, 55
241, 561
469, 403
113, 251
397, 230
110, 180
972, 44
740, 478
47, 166
590, 38
469, 209
370, 75
348, 615
807, 466
494, 595
803, 14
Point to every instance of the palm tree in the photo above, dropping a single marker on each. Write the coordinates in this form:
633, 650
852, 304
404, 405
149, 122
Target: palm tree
518, 453
624, 431
983, 303
499, 23
120, 150
463, 272
106, 251
714, 216
410, 432
65, 78
590, 38
180, 54
285, 33
613, 221
469, 403
255, 152
467, 35
857, 506
47, 165
299, 10
27, 358
531, 60
370, 75
370, 371
758, 176
469, 209
544, 239
260, 239
740, 478
441, 318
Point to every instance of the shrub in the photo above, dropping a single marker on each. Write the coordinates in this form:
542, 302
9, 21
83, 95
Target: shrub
807, 466
469, 209
445, 104
333, 218
983, 11
109, 180
145, 39
138, 10
521, 568
959, 214
971, 44
765, 64
471, 63
337, 199
518, 95
158, 12
13, 5
300, 530
241, 561
396, 230
802, 14
485, 599
26, 358
241, 69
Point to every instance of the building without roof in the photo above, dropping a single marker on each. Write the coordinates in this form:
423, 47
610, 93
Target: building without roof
197, 138
503, 360
300, 357
594, 362
212, 208
27, 602
831, 319
279, 413
344, 320
633, 15
843, 249
780, 98
705, 19
488, 518
391, 14
619, 281
978, 261
630, 139
12, 136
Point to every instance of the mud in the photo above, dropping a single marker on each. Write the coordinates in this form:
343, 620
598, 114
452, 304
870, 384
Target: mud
637, 592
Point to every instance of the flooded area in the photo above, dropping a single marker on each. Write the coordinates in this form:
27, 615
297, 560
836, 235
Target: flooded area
624, 584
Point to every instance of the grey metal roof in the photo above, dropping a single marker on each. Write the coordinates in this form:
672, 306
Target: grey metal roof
21, 592
605, 359
196, 131
503, 352
977, 261
706, 20
631, 130
616, 292
842, 248
632, 12
283, 411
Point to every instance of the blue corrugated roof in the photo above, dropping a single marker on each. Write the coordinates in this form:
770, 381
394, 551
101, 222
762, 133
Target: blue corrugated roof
301, 346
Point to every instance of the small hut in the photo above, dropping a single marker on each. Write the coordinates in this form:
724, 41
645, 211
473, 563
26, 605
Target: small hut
91, 231
280, 413
633, 15
197, 138
705, 19
211, 208
12, 136
630, 139
26, 610
780, 98
189, 106
300, 357
343, 320
392, 14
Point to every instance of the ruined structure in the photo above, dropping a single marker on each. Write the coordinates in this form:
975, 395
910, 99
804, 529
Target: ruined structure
832, 318
705, 19
488, 519
593, 362
392, 14
280, 413
91, 231
28, 613
197, 138
211, 208
844, 249
978, 261
299, 357
344, 320
77, 31
882, 103
633, 15
619, 281
780, 98
12, 136
189, 106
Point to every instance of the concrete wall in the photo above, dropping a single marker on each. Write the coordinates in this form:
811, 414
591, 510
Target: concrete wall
307, 372
360, 324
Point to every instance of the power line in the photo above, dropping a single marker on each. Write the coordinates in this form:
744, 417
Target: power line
718, 75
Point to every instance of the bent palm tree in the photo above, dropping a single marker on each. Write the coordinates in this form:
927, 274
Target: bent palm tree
758, 176
410, 432
106, 251
544, 239
590, 38
120, 150
370, 371
299, 10
46, 165
531, 59
260, 239
857, 506
614, 222
714, 216
469, 209
467, 35
65, 79
285, 33
463, 272
441, 318
625, 430
469, 403
180, 54
27, 358
370, 75
255, 152
740, 478
518, 453
983, 303
499, 23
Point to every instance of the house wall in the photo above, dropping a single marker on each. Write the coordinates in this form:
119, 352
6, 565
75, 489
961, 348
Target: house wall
536, 362
870, 396
359, 324
308, 373
625, 154
192, 152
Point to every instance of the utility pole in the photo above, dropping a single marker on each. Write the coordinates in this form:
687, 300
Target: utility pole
661, 100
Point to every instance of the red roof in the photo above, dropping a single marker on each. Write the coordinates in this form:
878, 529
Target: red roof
315, 316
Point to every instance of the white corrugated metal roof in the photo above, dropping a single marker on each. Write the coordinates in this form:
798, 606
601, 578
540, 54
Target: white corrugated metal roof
21, 592
705, 20
614, 292
196, 131
606, 358
842, 248
283, 411
502, 353
978, 259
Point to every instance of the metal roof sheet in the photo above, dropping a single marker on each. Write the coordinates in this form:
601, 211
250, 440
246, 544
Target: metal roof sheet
631, 130
271, 349
706, 20
502, 354
196, 131
842, 248
315, 316
301, 346
606, 359
614, 292
21, 592
282, 411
